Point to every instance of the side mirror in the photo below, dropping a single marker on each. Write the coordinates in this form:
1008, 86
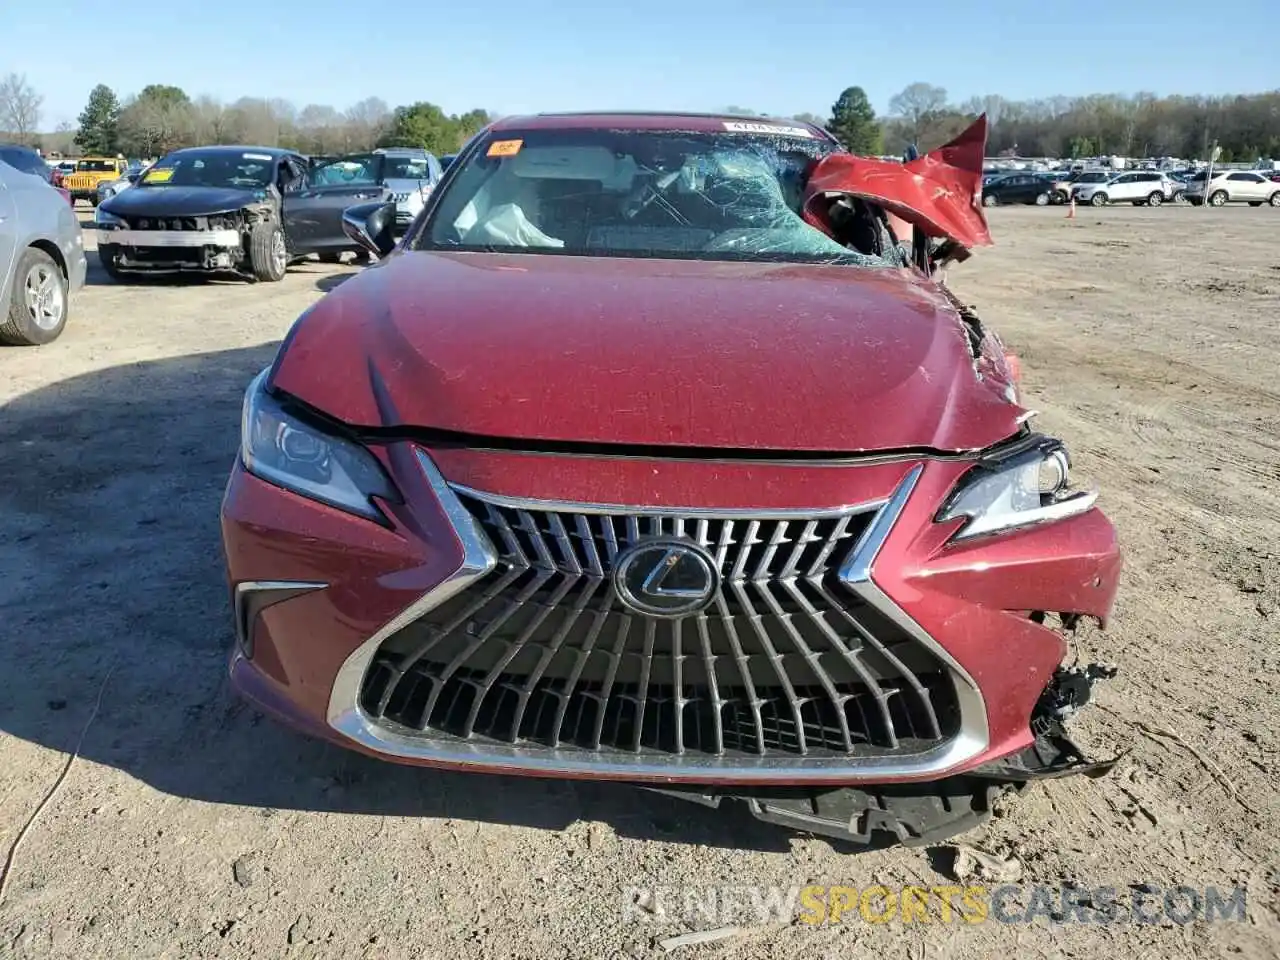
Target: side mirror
133, 177
369, 225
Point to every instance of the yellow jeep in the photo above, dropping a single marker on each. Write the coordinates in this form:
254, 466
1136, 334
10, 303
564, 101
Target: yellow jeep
90, 171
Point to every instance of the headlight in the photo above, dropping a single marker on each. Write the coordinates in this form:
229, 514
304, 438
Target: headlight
103, 219
289, 453
1032, 486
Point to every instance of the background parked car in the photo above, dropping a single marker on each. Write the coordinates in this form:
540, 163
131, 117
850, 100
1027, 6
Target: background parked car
1016, 188
90, 171
42, 259
411, 174
109, 188
1062, 188
26, 160
1140, 187
1233, 186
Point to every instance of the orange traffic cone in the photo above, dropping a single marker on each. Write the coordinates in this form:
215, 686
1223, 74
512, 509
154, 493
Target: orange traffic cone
1071, 213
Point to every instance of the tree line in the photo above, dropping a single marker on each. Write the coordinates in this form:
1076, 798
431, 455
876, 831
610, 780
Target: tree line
1245, 127
160, 118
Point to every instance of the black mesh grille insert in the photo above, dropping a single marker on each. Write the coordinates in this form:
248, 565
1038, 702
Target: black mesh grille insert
785, 660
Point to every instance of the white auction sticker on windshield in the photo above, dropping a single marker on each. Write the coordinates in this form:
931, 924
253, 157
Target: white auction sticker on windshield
257, 156
740, 126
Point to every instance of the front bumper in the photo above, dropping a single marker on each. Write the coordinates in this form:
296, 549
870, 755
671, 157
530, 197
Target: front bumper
319, 593
406, 213
172, 251
227, 239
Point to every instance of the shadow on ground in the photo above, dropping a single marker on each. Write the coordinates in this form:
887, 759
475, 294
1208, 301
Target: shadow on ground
111, 568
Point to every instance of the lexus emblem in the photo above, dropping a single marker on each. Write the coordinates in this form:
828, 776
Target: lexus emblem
666, 578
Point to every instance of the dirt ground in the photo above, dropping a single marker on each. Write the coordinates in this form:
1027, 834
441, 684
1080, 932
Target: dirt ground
189, 827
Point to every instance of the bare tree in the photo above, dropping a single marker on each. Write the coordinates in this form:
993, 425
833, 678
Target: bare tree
19, 107
211, 122
918, 104
321, 129
993, 105
367, 121
255, 121
153, 125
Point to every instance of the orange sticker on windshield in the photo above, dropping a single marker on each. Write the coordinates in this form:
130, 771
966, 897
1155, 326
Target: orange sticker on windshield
158, 176
504, 148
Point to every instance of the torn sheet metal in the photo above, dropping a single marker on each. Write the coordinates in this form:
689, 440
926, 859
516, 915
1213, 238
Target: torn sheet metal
940, 192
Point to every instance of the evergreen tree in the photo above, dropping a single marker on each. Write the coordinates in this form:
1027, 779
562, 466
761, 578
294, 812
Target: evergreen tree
854, 123
99, 121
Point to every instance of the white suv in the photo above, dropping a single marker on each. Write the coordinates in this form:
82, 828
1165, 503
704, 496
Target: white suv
1138, 187
1233, 186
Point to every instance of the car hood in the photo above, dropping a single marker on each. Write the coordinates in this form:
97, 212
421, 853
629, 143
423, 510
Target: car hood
158, 201
649, 352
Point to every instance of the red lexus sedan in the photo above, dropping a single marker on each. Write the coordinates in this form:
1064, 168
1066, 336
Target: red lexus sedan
657, 451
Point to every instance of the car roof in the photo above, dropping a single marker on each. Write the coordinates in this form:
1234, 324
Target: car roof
644, 120
237, 148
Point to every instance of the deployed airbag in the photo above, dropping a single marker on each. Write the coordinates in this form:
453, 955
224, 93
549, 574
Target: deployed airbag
507, 226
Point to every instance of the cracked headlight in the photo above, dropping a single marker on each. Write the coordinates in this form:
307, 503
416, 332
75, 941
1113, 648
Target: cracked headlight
281, 449
1028, 487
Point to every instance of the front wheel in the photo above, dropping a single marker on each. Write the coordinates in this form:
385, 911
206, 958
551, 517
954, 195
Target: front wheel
1155, 199
1218, 198
37, 309
107, 253
1179, 197
1098, 200
989, 201
1274, 199
1042, 200
267, 254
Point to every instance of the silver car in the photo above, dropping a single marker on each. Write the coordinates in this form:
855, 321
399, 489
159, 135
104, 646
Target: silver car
42, 259
411, 174
109, 188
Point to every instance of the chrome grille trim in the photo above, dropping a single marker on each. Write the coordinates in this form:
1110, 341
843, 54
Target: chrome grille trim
481, 559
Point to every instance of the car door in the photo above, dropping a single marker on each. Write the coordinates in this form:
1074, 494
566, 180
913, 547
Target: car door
313, 208
1245, 186
1123, 187
1013, 189
8, 236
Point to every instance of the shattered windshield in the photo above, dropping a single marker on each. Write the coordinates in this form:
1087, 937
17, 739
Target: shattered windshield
627, 193
211, 168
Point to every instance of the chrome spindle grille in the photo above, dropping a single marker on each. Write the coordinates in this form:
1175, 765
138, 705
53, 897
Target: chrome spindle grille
785, 659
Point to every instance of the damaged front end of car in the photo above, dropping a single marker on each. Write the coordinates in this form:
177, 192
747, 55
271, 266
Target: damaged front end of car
216, 242
931, 208
922, 813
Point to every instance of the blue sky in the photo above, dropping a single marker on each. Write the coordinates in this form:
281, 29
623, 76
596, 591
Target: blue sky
514, 56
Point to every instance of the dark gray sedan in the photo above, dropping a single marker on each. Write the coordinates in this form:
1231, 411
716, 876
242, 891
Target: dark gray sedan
42, 259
